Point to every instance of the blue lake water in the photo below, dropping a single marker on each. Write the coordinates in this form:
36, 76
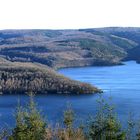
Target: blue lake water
122, 83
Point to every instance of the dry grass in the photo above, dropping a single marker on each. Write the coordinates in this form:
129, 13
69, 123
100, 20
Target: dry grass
59, 133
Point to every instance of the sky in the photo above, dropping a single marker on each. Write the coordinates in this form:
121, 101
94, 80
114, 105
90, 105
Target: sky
68, 14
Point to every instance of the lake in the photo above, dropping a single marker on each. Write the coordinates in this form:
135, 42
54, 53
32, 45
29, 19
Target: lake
122, 83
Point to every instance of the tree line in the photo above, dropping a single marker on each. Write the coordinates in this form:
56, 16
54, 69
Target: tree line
104, 125
15, 80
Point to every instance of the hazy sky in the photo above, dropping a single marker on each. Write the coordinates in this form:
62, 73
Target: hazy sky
62, 14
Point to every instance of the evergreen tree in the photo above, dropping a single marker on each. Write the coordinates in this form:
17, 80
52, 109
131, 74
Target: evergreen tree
130, 129
68, 117
105, 125
29, 123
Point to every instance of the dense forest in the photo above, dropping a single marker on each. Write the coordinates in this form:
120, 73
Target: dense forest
17, 77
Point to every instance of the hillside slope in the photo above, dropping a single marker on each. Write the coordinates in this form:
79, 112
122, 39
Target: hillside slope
64, 48
69, 48
17, 77
28, 57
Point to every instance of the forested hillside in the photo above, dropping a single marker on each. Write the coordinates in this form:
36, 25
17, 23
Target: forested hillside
69, 48
17, 77
29, 57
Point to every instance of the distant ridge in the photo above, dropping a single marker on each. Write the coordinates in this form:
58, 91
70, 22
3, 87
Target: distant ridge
69, 48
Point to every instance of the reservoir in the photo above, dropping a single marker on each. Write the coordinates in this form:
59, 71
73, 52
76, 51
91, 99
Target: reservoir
121, 83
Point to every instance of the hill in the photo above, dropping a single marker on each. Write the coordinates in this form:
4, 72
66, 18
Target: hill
69, 48
29, 57
18, 78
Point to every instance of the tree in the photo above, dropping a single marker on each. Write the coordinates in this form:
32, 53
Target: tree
105, 125
30, 125
68, 117
130, 129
